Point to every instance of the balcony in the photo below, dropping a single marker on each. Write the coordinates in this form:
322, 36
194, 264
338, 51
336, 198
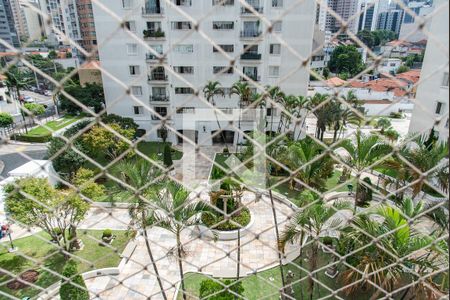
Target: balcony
163, 117
246, 11
159, 98
155, 77
250, 34
154, 34
150, 57
251, 77
251, 56
152, 11
223, 2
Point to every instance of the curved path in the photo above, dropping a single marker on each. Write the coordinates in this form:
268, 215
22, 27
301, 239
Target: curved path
258, 252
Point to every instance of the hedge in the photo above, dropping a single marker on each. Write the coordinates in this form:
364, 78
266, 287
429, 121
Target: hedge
31, 138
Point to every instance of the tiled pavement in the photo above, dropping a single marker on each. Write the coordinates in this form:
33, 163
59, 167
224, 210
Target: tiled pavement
215, 258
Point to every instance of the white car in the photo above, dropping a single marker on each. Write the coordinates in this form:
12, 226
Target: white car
47, 93
28, 99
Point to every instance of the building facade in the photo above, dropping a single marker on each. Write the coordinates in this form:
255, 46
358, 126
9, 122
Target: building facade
190, 60
8, 31
390, 20
346, 9
432, 102
87, 27
33, 20
368, 12
19, 19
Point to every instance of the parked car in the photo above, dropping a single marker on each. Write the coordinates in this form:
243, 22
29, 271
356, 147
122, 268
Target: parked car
28, 99
47, 93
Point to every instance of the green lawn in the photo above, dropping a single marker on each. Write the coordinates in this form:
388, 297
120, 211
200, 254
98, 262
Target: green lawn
46, 254
54, 125
266, 284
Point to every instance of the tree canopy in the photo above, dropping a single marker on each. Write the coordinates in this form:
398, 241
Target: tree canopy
91, 95
346, 59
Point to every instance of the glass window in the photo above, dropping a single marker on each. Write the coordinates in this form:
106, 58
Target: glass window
132, 49
277, 3
225, 48
184, 70
277, 26
223, 25
136, 90
138, 110
135, 70
184, 49
445, 79
223, 70
275, 49
439, 107
185, 110
183, 90
181, 25
131, 26
274, 71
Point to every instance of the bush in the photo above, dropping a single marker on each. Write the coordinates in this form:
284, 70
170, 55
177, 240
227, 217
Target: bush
32, 138
167, 156
77, 128
6, 119
34, 109
220, 291
242, 217
67, 162
75, 288
225, 151
124, 123
57, 231
107, 233
396, 115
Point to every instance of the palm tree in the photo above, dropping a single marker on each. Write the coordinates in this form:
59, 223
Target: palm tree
18, 80
319, 105
377, 262
313, 221
176, 212
274, 95
297, 106
212, 89
138, 175
243, 90
362, 153
302, 158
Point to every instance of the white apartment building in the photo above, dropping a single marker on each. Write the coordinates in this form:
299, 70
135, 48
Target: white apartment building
191, 60
432, 101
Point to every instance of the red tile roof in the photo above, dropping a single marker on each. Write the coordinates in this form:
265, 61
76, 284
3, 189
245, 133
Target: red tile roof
335, 81
410, 76
91, 65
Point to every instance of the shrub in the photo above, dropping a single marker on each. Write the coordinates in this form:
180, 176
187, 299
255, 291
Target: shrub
220, 291
107, 233
217, 173
215, 221
167, 156
75, 288
77, 128
32, 138
34, 109
6, 119
57, 231
66, 162
396, 115
327, 240
83, 179
226, 151
123, 122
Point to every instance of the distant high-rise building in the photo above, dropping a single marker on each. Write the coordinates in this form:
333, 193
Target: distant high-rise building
33, 20
346, 9
87, 27
368, 12
390, 20
20, 21
8, 31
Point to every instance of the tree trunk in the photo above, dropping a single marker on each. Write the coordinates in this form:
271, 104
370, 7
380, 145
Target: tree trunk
220, 129
21, 111
239, 127
280, 257
238, 255
313, 267
152, 259
271, 120
180, 265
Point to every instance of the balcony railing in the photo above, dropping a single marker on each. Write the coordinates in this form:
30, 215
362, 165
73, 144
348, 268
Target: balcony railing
223, 2
159, 98
154, 34
152, 11
158, 77
250, 33
252, 77
156, 118
251, 56
151, 56
246, 11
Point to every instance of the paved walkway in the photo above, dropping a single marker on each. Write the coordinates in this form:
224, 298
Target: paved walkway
218, 259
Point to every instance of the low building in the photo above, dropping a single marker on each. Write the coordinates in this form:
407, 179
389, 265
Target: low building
90, 73
390, 65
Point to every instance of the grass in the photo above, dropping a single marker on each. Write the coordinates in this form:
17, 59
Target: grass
37, 252
266, 284
54, 125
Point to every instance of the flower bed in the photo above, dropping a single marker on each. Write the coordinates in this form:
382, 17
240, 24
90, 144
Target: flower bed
242, 217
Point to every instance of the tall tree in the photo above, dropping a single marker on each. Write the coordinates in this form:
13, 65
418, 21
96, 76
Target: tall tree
346, 59
211, 90
176, 212
273, 95
363, 152
243, 90
139, 175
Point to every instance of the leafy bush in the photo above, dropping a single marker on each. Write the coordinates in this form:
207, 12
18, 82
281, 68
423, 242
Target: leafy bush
107, 233
167, 156
77, 128
57, 231
32, 138
123, 122
220, 291
34, 109
217, 173
215, 221
396, 115
89, 188
67, 162
6, 119
75, 288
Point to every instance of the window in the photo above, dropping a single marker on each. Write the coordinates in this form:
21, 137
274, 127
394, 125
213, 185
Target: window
275, 49
181, 25
439, 107
274, 71
183, 90
130, 25
161, 110
277, 26
225, 48
277, 3
184, 49
185, 110
250, 49
136, 90
154, 27
183, 2
127, 3
158, 91
223, 25
269, 112
223, 2
184, 70
445, 79
223, 70
132, 49
138, 110
135, 70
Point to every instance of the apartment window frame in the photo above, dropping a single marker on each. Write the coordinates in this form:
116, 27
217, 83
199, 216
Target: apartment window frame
225, 48
127, 4
135, 70
277, 3
138, 110
187, 48
272, 48
131, 26
183, 2
277, 26
185, 110
274, 74
136, 48
184, 91
445, 80
439, 107
222, 2
181, 25
223, 70
136, 90
222, 25
184, 69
